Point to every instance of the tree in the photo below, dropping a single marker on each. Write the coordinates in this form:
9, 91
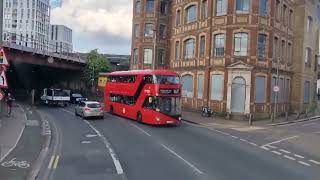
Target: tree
96, 63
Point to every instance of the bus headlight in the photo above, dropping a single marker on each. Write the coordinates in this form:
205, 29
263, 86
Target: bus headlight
179, 118
157, 119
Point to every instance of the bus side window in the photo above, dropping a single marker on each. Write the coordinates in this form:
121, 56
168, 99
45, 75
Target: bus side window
148, 79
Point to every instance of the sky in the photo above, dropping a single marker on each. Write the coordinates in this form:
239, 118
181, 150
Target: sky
102, 24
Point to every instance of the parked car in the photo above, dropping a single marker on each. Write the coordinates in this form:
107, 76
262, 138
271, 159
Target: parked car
87, 109
75, 98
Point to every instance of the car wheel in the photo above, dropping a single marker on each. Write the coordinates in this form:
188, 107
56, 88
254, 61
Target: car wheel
139, 117
82, 115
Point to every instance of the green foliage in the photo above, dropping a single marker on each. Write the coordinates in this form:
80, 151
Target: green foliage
96, 63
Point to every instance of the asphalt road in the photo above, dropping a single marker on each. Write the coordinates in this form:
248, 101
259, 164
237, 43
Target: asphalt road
118, 148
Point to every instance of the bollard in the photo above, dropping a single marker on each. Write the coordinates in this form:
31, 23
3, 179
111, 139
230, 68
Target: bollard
250, 119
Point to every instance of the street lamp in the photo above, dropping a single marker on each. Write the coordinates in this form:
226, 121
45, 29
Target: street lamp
154, 48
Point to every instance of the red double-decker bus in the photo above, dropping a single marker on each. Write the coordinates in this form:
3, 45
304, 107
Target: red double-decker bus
148, 96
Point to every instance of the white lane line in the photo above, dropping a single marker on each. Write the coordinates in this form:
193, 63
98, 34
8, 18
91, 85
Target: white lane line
297, 155
289, 157
265, 148
285, 139
234, 137
143, 131
115, 160
304, 163
268, 145
221, 132
253, 144
243, 140
285, 151
315, 162
185, 161
276, 152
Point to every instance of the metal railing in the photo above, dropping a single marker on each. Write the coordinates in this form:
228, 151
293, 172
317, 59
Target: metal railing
44, 47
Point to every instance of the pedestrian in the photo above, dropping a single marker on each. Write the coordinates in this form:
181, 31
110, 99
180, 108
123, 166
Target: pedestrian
9, 101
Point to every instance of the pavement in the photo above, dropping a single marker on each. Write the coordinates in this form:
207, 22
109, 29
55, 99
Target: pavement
20, 134
118, 148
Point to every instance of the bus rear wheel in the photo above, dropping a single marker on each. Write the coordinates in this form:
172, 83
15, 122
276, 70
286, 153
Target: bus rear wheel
139, 117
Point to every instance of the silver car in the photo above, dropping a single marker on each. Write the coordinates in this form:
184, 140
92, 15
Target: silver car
87, 109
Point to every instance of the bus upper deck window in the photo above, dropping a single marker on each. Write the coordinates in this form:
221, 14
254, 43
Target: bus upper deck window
148, 79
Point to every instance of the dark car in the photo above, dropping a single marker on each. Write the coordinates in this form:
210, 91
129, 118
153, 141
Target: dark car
75, 98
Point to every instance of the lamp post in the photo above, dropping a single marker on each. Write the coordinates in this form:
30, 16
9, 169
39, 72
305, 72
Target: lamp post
154, 48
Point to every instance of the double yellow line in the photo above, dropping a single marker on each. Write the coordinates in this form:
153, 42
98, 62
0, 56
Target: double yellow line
53, 162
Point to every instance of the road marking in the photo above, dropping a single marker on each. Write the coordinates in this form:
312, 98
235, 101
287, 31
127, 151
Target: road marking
91, 135
56, 162
234, 137
285, 139
304, 163
317, 132
273, 147
308, 124
315, 162
265, 148
297, 155
285, 151
253, 144
115, 159
289, 157
143, 131
188, 163
243, 140
276, 152
51, 162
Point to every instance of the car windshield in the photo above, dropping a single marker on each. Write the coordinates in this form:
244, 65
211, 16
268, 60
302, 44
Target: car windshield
94, 105
76, 95
164, 79
58, 92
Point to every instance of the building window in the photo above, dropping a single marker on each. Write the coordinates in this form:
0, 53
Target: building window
290, 18
309, 24
189, 47
163, 31
242, 6
135, 56
287, 94
177, 50
283, 49
163, 7
149, 6
219, 40
221, 7
187, 86
263, 7
200, 86
178, 18
281, 93
136, 30
191, 14
306, 92
275, 49
138, 7
147, 56
308, 56
216, 87
202, 46
161, 56
148, 30
204, 9
289, 53
260, 89
284, 15
262, 39
241, 44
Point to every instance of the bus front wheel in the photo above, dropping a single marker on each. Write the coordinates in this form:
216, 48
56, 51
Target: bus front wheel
139, 117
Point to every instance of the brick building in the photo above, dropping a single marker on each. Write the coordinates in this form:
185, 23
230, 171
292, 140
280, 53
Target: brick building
231, 53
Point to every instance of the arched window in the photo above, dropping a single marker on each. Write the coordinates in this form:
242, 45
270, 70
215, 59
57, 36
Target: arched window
138, 7
178, 18
189, 47
191, 14
187, 86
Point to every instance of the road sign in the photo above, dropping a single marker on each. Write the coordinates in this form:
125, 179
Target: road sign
276, 88
3, 58
3, 80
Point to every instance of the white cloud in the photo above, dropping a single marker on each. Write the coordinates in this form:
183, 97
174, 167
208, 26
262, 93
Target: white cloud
97, 19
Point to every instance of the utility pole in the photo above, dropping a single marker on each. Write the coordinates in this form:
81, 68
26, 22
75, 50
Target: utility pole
276, 93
